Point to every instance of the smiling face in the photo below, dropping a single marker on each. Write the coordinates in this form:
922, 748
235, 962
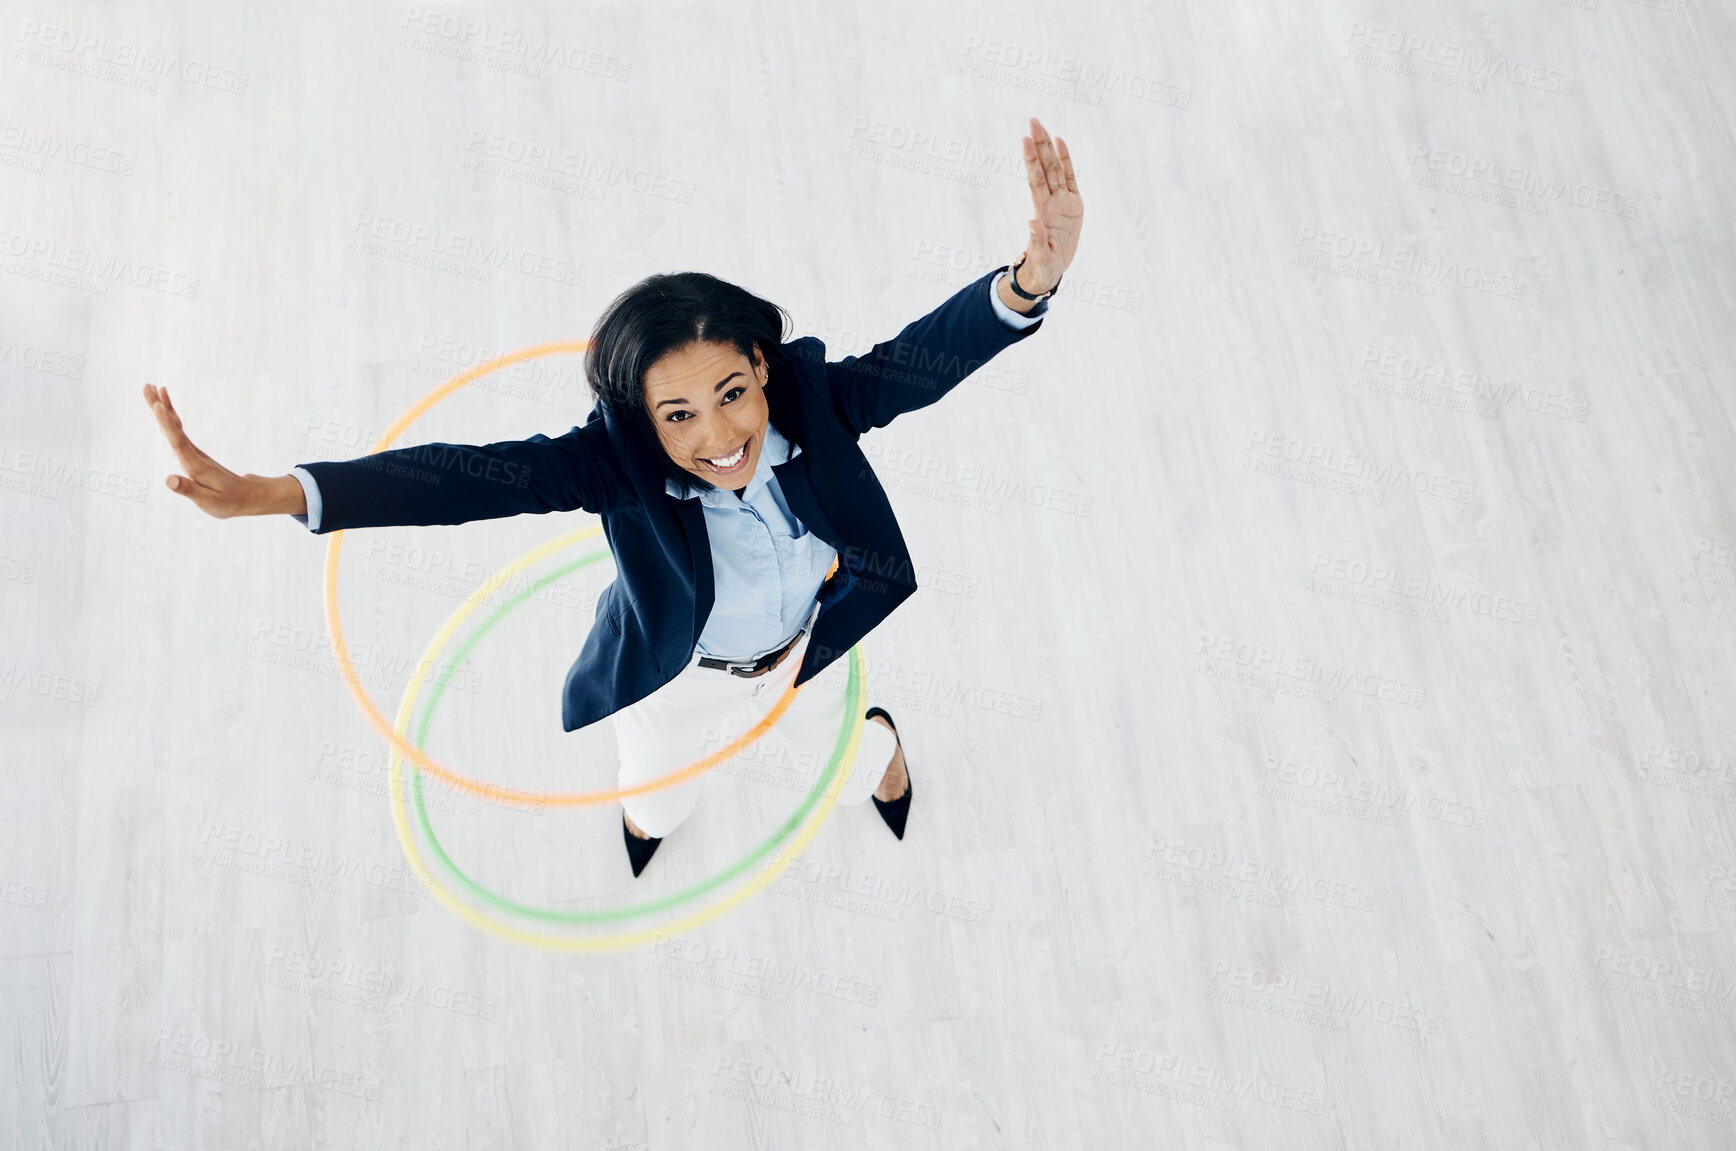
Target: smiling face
708, 404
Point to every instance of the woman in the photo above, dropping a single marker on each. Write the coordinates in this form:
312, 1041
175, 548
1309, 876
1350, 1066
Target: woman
723, 464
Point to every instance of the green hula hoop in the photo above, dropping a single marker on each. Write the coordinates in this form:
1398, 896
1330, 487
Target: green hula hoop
853, 699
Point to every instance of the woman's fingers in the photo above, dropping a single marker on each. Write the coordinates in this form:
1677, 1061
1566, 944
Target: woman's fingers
206, 482
1034, 171
170, 423
191, 456
1066, 163
1053, 177
1034, 174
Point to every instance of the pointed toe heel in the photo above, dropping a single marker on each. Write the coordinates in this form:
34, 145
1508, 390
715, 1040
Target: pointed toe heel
639, 851
894, 811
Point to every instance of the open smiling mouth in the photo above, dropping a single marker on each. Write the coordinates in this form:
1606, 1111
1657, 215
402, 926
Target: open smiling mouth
730, 464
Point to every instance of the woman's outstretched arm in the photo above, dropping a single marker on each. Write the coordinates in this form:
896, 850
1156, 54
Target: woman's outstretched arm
931, 355
423, 484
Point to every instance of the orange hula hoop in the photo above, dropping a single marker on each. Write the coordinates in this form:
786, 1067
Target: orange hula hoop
482, 788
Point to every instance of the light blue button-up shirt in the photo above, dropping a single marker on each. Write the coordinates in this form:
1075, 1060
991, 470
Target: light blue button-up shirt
767, 567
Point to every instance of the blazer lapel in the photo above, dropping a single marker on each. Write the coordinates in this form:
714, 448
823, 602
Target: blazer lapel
646, 478
798, 489
699, 549
784, 399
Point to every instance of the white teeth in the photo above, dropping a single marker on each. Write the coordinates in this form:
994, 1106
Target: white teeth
730, 460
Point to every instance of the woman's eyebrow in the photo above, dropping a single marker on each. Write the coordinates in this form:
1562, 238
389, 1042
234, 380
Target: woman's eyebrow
715, 389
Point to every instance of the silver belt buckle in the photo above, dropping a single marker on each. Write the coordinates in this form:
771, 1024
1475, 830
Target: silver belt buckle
746, 670
783, 650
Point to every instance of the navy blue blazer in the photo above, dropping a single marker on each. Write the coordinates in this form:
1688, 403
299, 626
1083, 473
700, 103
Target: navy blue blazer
649, 618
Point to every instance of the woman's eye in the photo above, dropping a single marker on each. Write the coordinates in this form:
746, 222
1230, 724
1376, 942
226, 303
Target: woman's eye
683, 417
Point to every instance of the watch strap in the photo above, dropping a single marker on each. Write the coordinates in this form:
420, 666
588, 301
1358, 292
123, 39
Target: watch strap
1013, 279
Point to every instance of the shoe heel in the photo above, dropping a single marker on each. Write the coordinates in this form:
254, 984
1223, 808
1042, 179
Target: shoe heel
896, 812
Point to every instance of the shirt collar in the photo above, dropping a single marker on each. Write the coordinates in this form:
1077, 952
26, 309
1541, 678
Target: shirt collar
775, 450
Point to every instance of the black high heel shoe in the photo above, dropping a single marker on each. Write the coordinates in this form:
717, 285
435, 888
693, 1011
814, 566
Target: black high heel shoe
894, 811
639, 851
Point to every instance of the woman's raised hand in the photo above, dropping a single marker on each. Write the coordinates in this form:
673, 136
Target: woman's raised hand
1055, 193
217, 490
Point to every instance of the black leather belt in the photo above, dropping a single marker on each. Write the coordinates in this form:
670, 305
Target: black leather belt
759, 666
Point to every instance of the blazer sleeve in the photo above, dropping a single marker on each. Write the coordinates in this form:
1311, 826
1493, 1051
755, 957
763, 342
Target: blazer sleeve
444, 483
924, 361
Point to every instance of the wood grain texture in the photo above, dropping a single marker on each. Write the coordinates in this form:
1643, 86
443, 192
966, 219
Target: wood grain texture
1319, 692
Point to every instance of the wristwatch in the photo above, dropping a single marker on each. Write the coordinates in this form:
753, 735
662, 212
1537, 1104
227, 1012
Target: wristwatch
1013, 279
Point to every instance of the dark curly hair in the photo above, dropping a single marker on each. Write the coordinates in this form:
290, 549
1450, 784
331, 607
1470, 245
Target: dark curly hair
664, 313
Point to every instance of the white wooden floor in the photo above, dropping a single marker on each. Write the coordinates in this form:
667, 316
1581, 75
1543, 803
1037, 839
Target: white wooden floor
1319, 699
